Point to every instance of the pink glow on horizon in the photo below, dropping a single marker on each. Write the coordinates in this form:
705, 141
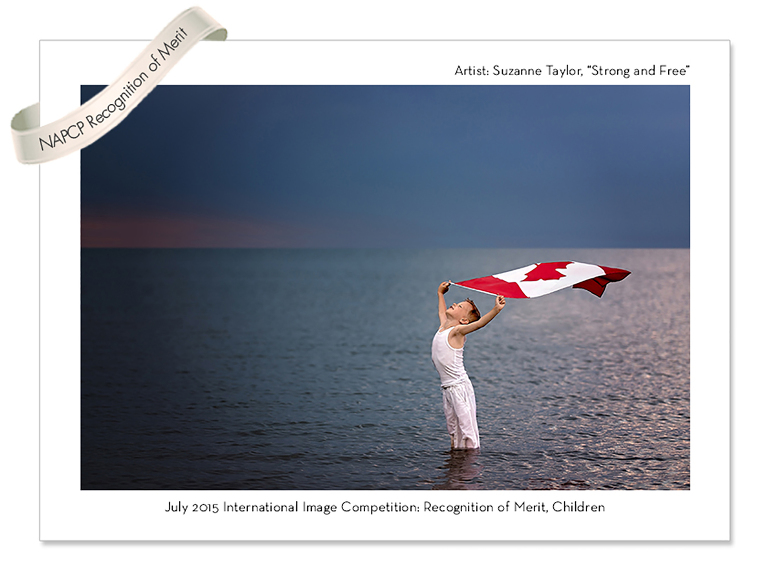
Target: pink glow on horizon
156, 231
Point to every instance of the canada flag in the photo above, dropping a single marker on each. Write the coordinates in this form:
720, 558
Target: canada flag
542, 278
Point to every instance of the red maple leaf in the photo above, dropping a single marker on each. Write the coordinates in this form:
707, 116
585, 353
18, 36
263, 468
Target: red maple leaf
546, 271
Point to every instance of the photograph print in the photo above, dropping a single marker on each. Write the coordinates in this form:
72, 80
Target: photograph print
278, 289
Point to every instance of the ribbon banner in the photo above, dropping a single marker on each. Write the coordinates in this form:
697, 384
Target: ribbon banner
35, 144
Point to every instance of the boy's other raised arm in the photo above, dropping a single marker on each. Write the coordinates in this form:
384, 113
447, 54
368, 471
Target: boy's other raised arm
441, 290
484, 320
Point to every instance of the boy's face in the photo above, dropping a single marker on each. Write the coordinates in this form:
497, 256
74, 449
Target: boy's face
459, 311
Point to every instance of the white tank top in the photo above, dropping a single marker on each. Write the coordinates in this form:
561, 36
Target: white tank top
448, 361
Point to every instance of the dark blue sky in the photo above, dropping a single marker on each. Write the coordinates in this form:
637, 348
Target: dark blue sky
393, 166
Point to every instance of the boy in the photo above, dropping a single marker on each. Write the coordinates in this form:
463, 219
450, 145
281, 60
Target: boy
456, 322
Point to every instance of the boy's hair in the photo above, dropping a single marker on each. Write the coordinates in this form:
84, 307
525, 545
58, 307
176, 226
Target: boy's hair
474, 314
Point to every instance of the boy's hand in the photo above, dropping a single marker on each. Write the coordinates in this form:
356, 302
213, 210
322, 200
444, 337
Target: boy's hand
443, 288
500, 302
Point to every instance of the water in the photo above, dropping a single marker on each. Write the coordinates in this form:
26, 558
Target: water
311, 369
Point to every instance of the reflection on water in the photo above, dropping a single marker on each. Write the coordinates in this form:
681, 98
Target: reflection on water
462, 470
185, 385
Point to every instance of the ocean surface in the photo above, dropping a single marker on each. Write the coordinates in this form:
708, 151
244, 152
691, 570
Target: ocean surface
310, 369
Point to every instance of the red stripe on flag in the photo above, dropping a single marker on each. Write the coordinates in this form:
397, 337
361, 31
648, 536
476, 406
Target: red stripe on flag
615, 274
494, 286
597, 285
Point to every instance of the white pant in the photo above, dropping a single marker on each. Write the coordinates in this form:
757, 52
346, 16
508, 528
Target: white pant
460, 415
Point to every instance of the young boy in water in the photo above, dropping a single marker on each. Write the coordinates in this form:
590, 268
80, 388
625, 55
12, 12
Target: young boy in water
456, 322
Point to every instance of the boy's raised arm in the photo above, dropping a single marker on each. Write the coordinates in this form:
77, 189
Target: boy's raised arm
441, 290
484, 320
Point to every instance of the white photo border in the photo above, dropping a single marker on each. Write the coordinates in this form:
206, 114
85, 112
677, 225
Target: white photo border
701, 513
